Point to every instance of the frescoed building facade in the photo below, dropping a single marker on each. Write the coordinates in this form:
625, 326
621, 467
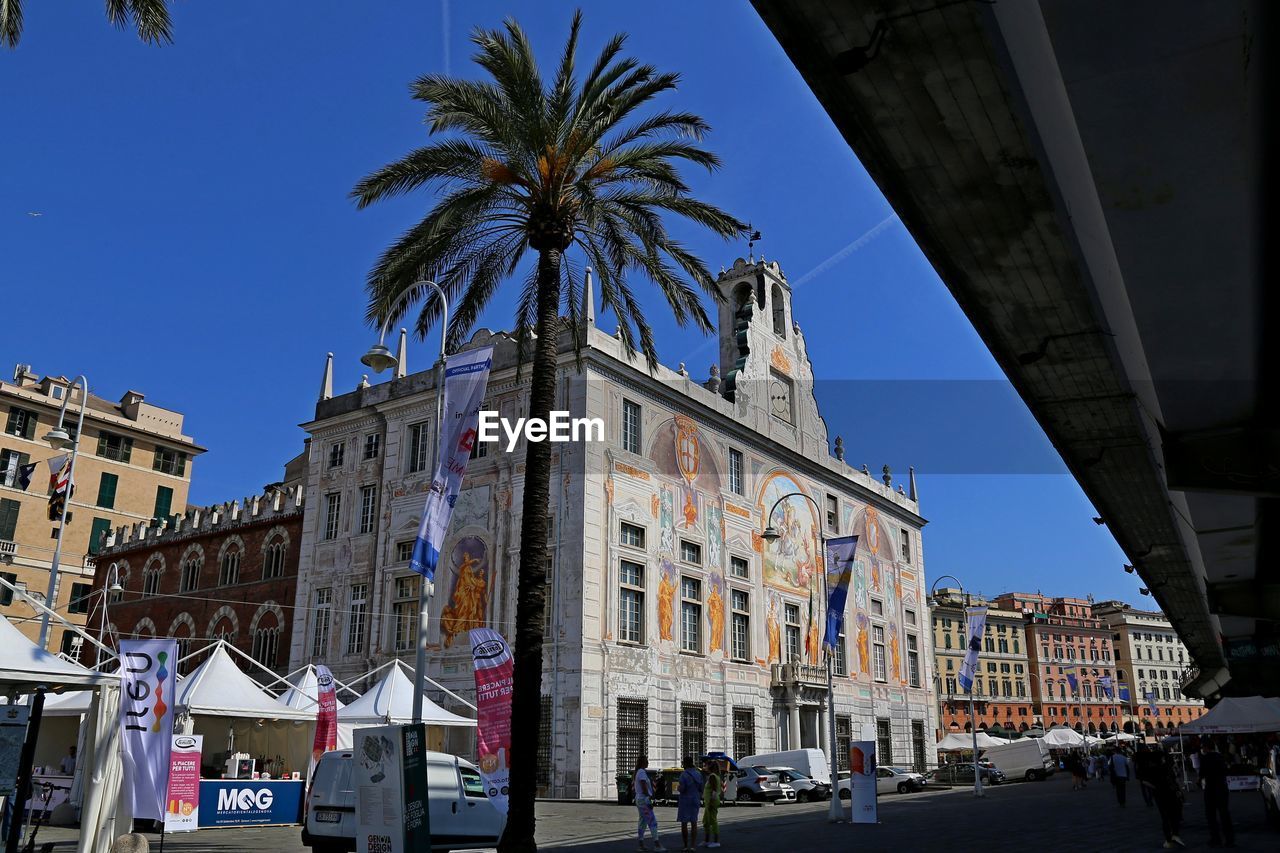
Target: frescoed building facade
672, 625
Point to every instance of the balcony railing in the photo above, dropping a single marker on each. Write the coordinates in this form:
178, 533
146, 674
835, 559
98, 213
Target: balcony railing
798, 674
7, 550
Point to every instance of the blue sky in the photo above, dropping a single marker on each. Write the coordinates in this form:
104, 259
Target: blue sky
196, 243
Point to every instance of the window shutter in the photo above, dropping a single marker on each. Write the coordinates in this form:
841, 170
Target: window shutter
107, 491
32, 420
164, 502
182, 465
101, 526
126, 449
8, 518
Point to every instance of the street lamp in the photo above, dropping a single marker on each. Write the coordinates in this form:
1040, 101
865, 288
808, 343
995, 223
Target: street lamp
59, 439
111, 584
835, 813
379, 358
973, 718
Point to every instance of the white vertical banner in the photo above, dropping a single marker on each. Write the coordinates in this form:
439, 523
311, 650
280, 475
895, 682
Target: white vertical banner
977, 617
466, 378
862, 782
146, 721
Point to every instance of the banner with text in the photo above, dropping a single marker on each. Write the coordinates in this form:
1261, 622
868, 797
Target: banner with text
862, 781
466, 377
973, 645
183, 812
326, 717
494, 676
389, 775
146, 722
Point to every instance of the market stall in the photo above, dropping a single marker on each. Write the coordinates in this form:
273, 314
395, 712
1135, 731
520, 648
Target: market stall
304, 688
390, 701
1239, 722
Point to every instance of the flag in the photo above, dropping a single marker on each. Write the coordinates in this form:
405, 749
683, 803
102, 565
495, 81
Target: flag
466, 376
1105, 682
1150, 696
60, 486
977, 625
326, 717
840, 553
494, 675
25, 473
1124, 693
1071, 678
146, 722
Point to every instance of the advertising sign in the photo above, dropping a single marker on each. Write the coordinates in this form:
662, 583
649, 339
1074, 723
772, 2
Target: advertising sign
862, 781
146, 722
326, 717
389, 774
249, 802
182, 810
494, 676
13, 731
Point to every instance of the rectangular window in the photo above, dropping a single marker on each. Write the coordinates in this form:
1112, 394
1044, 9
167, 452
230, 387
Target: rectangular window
833, 513
332, 509
693, 730
633, 733
906, 544
98, 534
735, 471
115, 447
404, 552
791, 615
11, 463
320, 621
740, 627
404, 614
631, 602
691, 552
913, 661
337, 453
21, 423
71, 644
739, 567
479, 449
107, 491
841, 657
368, 508
630, 426
164, 503
910, 617
372, 445
877, 607
690, 615
80, 597
744, 731
543, 778
877, 653
6, 594
357, 618
917, 746
419, 449
844, 739
631, 535
9, 519
168, 461
884, 743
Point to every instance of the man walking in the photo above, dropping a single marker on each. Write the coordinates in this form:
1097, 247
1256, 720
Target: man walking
1213, 775
1119, 766
1157, 775
1145, 765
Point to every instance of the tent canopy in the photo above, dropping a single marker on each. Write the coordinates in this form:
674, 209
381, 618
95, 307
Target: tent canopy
391, 701
1237, 715
956, 740
302, 694
1064, 737
219, 688
24, 666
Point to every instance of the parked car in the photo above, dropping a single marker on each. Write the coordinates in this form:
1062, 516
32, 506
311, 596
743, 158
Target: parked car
810, 762
1269, 787
461, 814
962, 774
757, 783
806, 787
890, 780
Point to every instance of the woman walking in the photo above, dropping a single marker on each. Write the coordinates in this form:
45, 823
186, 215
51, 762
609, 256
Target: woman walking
689, 790
642, 787
711, 805
1162, 781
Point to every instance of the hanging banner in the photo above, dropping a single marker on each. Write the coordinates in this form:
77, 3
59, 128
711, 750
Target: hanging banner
840, 555
466, 377
389, 775
146, 722
977, 625
182, 813
494, 676
326, 717
13, 732
862, 781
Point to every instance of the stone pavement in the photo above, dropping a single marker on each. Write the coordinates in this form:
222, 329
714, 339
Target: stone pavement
1047, 817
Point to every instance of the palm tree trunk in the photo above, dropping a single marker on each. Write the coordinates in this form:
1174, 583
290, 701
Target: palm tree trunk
526, 699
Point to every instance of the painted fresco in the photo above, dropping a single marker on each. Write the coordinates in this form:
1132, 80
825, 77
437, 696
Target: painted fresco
895, 651
681, 452
715, 536
773, 629
666, 522
715, 613
470, 594
811, 636
791, 560
864, 655
666, 599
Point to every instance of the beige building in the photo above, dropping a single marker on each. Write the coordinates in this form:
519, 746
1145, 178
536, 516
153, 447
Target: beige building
134, 464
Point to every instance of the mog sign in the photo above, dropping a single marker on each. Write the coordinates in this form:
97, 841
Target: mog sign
244, 802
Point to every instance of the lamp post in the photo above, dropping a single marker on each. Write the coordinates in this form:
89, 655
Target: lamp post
111, 586
835, 813
973, 717
60, 440
379, 358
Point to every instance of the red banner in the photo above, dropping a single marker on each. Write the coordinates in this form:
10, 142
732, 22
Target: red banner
494, 676
326, 716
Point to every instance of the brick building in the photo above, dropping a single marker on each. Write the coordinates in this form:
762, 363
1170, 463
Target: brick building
227, 571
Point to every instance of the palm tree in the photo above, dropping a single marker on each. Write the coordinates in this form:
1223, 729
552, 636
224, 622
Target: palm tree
544, 168
151, 17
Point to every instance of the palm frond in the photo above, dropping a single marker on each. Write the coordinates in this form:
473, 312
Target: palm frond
10, 22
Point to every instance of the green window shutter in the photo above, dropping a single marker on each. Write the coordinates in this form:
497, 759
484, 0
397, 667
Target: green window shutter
32, 420
126, 449
182, 465
9, 518
164, 502
102, 444
101, 526
107, 491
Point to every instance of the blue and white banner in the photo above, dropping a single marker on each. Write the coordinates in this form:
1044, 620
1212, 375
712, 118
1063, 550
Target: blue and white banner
146, 722
1124, 693
1105, 683
466, 377
977, 617
840, 553
1070, 672
1150, 696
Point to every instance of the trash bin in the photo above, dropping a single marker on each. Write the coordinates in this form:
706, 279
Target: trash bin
626, 796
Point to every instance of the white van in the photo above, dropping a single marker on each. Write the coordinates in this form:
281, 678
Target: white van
460, 812
1026, 758
810, 762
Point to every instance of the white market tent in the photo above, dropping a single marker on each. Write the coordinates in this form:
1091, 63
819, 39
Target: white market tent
390, 701
1119, 736
1237, 715
219, 688
956, 740
1063, 738
24, 666
303, 690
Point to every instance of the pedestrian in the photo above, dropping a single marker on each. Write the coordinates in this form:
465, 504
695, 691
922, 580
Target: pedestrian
689, 800
711, 806
67, 767
1076, 768
642, 787
1120, 771
1145, 763
1157, 775
1195, 764
1213, 775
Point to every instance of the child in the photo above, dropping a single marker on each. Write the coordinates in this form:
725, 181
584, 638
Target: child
711, 805
643, 790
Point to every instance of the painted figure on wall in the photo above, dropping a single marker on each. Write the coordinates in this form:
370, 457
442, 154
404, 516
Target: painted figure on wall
470, 594
666, 599
864, 653
666, 523
789, 560
811, 636
715, 614
715, 536
859, 585
775, 633
893, 652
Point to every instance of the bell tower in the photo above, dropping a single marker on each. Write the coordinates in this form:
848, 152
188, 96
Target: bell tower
755, 316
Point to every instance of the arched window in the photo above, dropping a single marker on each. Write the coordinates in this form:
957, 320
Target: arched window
779, 312
183, 629
192, 563
229, 567
273, 558
266, 641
